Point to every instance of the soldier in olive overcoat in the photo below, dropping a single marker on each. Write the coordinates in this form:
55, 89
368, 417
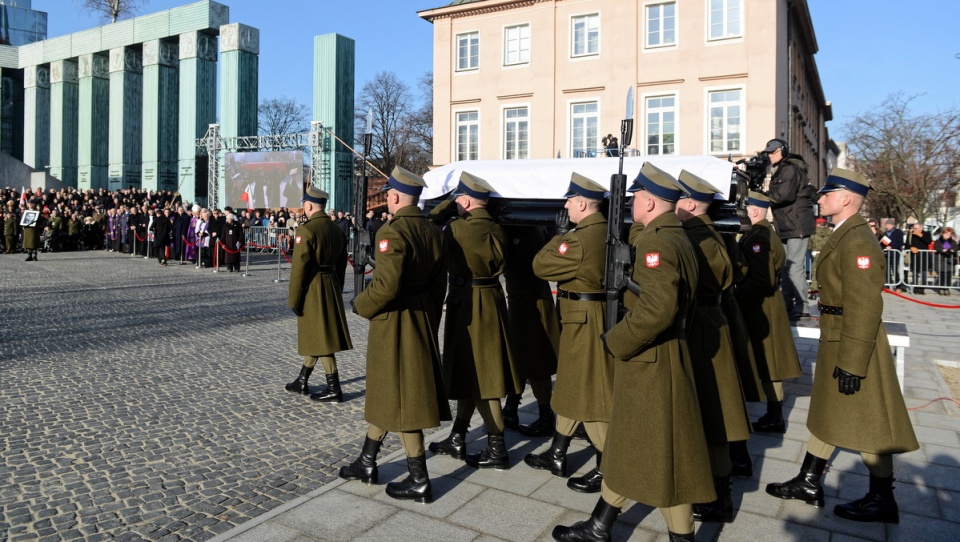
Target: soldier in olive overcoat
315, 294
478, 364
722, 407
765, 312
856, 401
584, 388
534, 328
31, 234
403, 302
655, 452
10, 224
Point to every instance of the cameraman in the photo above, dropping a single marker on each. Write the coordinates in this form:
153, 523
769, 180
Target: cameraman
792, 203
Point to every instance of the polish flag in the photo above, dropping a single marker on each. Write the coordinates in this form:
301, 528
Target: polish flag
246, 196
23, 196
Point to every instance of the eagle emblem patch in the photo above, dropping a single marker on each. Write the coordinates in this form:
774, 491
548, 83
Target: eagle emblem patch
653, 259
756, 249
298, 240
384, 245
863, 262
562, 249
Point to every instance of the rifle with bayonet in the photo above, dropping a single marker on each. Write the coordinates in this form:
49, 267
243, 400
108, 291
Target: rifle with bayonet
360, 243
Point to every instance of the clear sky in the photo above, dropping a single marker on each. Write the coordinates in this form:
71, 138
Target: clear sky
869, 49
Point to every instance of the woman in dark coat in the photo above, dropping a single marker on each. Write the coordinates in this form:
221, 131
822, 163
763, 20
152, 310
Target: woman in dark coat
946, 248
232, 243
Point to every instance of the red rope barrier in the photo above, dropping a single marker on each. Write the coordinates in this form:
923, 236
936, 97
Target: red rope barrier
238, 251
350, 261
284, 252
141, 239
927, 303
189, 244
930, 402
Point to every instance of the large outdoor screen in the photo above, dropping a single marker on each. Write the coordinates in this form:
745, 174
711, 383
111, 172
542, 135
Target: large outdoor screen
264, 180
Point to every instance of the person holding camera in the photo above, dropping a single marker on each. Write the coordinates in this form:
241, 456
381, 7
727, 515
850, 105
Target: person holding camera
791, 199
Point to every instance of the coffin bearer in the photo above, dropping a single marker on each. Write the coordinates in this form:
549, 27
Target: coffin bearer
856, 401
655, 452
316, 282
721, 401
765, 313
584, 389
478, 365
403, 302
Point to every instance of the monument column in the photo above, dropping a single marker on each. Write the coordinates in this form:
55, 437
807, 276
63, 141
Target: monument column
198, 105
64, 100
239, 68
36, 116
126, 118
161, 90
94, 107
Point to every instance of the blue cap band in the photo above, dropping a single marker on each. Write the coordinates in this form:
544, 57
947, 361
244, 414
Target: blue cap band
463, 189
705, 197
577, 190
758, 203
643, 183
318, 201
403, 188
837, 183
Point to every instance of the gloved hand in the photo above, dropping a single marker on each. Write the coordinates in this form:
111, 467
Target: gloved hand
298, 311
847, 383
562, 222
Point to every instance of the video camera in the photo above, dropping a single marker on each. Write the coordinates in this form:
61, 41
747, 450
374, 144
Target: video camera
755, 167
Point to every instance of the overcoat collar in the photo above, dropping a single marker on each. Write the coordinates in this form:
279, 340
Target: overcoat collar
855, 221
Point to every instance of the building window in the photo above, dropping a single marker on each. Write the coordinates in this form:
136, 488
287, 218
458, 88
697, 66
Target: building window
586, 35
584, 127
726, 19
661, 127
662, 24
468, 51
468, 135
726, 108
516, 133
516, 45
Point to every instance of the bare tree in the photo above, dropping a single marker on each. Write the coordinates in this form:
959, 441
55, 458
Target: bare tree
389, 99
911, 160
417, 152
114, 10
279, 116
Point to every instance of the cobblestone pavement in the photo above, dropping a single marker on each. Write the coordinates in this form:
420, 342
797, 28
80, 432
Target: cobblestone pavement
147, 402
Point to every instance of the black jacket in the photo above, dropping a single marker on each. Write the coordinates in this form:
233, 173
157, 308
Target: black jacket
792, 199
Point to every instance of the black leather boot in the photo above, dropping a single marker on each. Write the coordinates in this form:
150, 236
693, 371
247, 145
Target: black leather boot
300, 384
456, 444
772, 421
544, 425
29, 257
674, 537
554, 459
740, 458
494, 456
332, 393
416, 486
806, 486
720, 510
365, 467
877, 505
511, 419
595, 529
589, 482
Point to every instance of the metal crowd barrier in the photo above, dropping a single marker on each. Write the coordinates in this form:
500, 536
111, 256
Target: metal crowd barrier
918, 271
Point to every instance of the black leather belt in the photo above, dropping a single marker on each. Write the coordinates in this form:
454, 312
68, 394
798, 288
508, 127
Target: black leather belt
464, 281
711, 300
325, 269
581, 296
830, 309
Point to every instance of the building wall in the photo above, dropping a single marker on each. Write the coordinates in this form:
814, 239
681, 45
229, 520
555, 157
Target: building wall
766, 63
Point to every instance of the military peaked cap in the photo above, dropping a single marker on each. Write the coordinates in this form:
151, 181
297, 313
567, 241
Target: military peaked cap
582, 186
696, 188
845, 179
473, 186
658, 182
315, 195
405, 182
758, 199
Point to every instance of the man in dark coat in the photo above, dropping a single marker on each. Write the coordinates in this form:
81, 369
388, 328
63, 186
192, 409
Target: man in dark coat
478, 365
404, 303
181, 224
655, 453
791, 198
764, 312
722, 407
584, 390
892, 243
162, 229
233, 242
317, 273
856, 401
